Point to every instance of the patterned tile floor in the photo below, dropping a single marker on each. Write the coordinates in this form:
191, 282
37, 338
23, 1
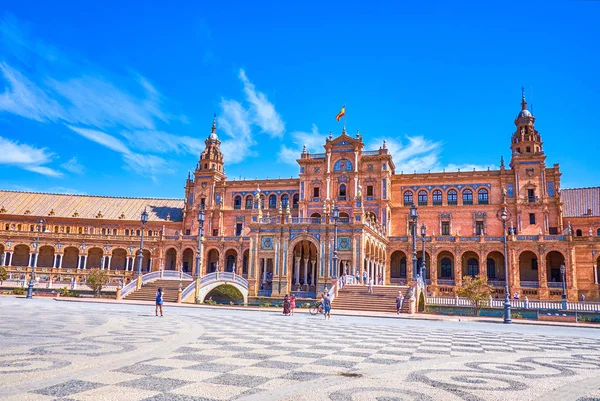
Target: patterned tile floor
75, 351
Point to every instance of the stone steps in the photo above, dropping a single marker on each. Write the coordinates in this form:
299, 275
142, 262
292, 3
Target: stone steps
383, 299
148, 290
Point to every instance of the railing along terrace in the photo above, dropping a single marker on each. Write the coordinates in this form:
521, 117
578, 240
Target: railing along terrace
317, 156
555, 284
370, 153
188, 290
496, 283
306, 220
530, 284
498, 303
223, 276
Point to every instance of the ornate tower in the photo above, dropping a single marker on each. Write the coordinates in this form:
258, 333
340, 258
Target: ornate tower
212, 159
526, 141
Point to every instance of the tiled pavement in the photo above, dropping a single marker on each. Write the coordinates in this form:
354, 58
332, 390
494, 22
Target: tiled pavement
241, 355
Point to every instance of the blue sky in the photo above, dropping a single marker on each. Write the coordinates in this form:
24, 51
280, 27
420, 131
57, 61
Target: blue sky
117, 98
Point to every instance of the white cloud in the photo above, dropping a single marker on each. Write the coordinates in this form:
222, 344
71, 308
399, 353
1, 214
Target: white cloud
26, 157
234, 121
261, 110
314, 144
73, 166
101, 138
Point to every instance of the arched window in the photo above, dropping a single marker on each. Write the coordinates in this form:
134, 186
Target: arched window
68, 230
55, 228
114, 231
249, 202
437, 197
285, 199
452, 197
149, 233
31, 228
295, 200
491, 269
342, 165
237, 202
423, 198
272, 201
315, 218
127, 232
578, 233
482, 197
408, 198
342, 192
446, 268
138, 233
104, 231
467, 197
597, 232
472, 267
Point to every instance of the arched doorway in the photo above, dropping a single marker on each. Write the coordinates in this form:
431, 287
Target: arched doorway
20, 256
171, 259
188, 261
146, 259
398, 267
315, 218
94, 258
553, 261
528, 269
470, 264
495, 266
71, 257
245, 260
225, 294
304, 266
445, 268
231, 261
118, 259
46, 256
212, 261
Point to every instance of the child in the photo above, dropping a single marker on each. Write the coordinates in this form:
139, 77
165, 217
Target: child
159, 301
293, 303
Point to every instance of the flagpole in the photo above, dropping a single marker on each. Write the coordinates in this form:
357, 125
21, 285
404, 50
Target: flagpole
344, 117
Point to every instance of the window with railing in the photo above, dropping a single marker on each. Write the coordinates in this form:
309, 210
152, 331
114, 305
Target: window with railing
452, 197
437, 197
273, 202
249, 202
237, 202
467, 197
483, 197
408, 198
422, 197
295, 200
479, 227
285, 200
531, 195
445, 228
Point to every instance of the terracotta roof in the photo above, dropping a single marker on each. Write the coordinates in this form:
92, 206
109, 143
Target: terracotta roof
577, 201
89, 207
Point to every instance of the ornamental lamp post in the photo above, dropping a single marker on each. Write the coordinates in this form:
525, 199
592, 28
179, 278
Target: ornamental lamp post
414, 216
335, 217
200, 235
507, 319
140, 258
41, 223
423, 234
563, 270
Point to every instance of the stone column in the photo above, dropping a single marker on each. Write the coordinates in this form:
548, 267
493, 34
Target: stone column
3, 258
30, 260
102, 260
150, 264
85, 261
314, 272
306, 271
297, 282
60, 262
79, 261
108, 263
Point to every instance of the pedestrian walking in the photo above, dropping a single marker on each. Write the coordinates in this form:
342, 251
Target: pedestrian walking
159, 301
327, 307
371, 286
292, 304
286, 305
399, 301
365, 277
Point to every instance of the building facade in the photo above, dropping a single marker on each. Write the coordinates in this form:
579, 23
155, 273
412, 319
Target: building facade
279, 233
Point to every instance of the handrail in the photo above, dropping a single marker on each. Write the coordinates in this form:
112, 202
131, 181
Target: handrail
188, 290
519, 303
223, 276
129, 288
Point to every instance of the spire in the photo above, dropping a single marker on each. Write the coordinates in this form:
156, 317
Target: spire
501, 161
523, 101
214, 125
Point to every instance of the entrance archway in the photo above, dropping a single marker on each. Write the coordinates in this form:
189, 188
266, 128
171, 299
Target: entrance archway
21, 256
225, 294
46, 256
145, 260
304, 266
171, 259
528, 269
231, 260
494, 265
188, 260
71, 257
94, 258
553, 261
212, 261
445, 267
118, 259
398, 267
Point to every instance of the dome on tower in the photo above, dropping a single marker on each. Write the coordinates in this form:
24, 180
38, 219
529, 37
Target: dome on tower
213, 135
524, 113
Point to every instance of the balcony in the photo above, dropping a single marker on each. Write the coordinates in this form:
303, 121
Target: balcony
555, 284
342, 197
306, 220
530, 284
496, 283
344, 220
446, 281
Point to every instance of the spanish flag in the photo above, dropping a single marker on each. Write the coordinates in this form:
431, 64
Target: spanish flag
341, 113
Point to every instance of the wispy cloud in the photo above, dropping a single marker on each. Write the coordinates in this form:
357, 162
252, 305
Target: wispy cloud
313, 140
26, 157
73, 166
237, 122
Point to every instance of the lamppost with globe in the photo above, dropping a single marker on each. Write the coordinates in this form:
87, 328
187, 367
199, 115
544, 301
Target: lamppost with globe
335, 216
200, 235
563, 270
422, 273
41, 224
507, 320
140, 257
414, 216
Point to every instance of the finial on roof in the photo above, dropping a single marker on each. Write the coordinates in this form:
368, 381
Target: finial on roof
523, 101
501, 161
304, 149
384, 144
214, 124
257, 188
357, 134
330, 135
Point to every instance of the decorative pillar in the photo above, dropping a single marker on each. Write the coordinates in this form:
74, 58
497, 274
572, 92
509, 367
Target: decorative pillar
313, 277
3, 258
297, 282
263, 262
78, 262
102, 260
305, 271
85, 261
109, 258
60, 262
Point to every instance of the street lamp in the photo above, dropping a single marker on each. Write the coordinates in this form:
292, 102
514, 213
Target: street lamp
144, 220
563, 270
423, 233
41, 223
507, 319
335, 217
200, 234
414, 216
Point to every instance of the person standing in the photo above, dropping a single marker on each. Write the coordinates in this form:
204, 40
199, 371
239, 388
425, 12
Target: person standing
582, 297
365, 277
399, 301
159, 301
371, 285
286, 305
292, 304
327, 306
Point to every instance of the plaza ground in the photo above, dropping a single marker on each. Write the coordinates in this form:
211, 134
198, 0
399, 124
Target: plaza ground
53, 350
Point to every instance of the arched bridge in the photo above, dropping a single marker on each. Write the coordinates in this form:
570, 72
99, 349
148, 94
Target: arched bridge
211, 281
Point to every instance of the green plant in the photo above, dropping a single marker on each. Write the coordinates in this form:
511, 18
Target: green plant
516, 315
3, 274
97, 279
65, 292
476, 290
18, 291
267, 304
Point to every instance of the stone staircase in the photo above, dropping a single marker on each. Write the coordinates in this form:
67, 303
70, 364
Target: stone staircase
383, 299
148, 290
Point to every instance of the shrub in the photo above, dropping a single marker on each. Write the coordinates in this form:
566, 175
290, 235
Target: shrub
65, 292
18, 291
476, 290
97, 279
3, 274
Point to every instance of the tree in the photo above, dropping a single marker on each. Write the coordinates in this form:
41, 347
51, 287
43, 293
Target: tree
476, 290
97, 279
3, 274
